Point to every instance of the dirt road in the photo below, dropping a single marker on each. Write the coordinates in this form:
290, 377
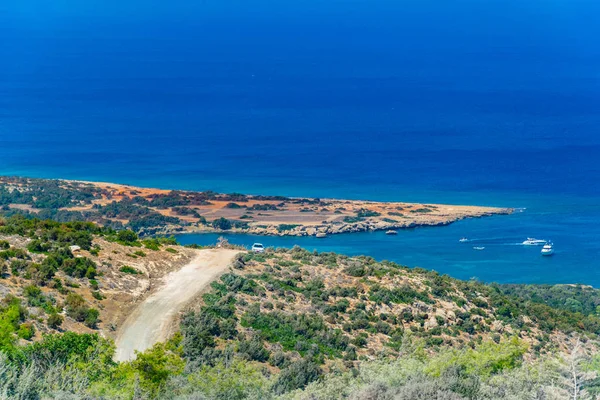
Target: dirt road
149, 322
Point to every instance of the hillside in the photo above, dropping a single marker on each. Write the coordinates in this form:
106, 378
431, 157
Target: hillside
152, 211
288, 323
356, 308
86, 288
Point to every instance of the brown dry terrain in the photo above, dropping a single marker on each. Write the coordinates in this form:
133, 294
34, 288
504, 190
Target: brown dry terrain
150, 211
307, 216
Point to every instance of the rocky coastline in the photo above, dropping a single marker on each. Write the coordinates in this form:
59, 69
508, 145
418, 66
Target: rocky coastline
149, 211
327, 229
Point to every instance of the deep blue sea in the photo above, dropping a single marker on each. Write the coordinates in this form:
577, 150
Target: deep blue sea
467, 102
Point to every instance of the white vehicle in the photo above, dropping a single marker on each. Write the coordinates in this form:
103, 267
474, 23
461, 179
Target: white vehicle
548, 249
534, 242
258, 248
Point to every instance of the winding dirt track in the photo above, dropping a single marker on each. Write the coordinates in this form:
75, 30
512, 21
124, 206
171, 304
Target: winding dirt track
150, 321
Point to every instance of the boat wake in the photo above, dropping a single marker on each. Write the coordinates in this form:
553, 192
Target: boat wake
506, 241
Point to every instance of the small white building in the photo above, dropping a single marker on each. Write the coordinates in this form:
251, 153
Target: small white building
75, 249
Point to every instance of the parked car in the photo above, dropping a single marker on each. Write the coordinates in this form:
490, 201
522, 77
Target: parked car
258, 248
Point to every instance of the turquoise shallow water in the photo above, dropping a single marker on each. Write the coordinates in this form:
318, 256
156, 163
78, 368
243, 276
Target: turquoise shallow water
503, 260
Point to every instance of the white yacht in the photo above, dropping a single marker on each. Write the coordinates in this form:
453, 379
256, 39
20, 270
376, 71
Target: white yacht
548, 249
534, 242
463, 240
478, 248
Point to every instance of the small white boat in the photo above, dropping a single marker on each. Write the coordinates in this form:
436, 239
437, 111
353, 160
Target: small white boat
321, 235
548, 249
534, 242
391, 232
478, 248
463, 240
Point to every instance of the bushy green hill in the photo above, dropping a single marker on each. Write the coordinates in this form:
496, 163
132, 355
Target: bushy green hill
295, 324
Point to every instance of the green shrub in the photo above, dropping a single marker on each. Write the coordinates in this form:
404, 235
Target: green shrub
127, 237
26, 331
356, 270
151, 245
198, 330
79, 267
254, 349
37, 246
91, 318
296, 376
286, 227
222, 224
77, 309
34, 296
364, 213
155, 366
126, 269
55, 320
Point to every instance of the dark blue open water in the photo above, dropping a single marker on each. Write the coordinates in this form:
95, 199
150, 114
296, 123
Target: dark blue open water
493, 103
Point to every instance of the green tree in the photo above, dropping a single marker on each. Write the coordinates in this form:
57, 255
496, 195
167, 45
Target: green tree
156, 366
221, 223
127, 236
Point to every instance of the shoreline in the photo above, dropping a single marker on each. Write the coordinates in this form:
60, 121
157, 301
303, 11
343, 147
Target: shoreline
346, 229
151, 211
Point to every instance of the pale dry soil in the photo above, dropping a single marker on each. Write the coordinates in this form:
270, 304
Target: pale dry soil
152, 320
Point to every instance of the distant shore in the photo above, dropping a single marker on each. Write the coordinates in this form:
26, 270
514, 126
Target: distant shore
152, 211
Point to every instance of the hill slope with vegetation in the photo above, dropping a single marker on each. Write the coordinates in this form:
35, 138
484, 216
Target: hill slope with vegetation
288, 324
75, 276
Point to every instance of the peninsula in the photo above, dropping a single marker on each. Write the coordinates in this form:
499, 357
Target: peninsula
158, 211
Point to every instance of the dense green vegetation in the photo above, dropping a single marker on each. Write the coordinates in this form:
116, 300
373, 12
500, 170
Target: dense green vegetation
53, 240
574, 298
48, 194
71, 366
